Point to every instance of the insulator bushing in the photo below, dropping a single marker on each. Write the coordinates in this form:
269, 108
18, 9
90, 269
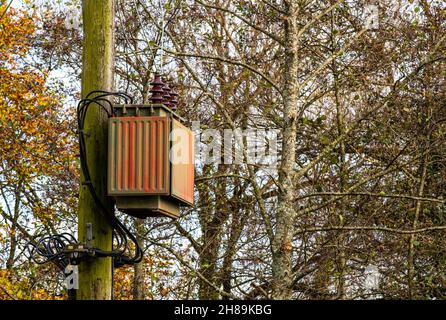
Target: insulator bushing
174, 100
167, 97
157, 92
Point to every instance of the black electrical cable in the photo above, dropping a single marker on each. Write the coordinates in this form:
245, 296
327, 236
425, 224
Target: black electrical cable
124, 95
114, 222
51, 248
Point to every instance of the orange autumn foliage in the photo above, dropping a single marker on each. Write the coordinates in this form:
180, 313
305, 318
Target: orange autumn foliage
15, 287
34, 138
36, 150
156, 269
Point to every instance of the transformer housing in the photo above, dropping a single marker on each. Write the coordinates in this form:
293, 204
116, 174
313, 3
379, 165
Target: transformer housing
150, 161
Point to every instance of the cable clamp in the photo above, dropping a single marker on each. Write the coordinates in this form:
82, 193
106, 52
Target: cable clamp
76, 252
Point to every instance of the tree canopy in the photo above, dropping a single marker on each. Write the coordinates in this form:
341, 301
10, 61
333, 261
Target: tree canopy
355, 207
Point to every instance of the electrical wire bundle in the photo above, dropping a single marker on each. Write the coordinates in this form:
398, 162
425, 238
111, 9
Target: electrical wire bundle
52, 248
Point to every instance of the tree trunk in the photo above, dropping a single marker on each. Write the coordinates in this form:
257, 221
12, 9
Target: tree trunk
13, 230
412, 238
282, 243
341, 261
138, 281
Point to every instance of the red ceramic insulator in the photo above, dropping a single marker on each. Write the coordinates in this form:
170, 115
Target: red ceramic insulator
174, 100
157, 92
167, 97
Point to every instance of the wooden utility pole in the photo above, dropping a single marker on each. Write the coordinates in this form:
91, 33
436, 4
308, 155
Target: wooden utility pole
95, 274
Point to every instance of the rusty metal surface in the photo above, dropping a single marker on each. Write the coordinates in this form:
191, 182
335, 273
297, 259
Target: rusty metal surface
182, 178
145, 110
148, 206
138, 156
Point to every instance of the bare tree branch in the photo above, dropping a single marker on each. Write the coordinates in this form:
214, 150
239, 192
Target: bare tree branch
249, 23
370, 194
369, 228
